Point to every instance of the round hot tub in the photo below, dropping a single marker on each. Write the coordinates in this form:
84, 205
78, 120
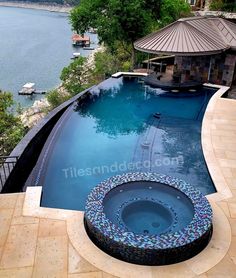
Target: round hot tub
148, 218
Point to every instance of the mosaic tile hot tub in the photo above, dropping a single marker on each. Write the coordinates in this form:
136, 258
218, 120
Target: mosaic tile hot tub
148, 218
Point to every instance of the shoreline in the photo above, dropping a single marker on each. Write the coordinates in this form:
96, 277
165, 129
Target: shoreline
37, 6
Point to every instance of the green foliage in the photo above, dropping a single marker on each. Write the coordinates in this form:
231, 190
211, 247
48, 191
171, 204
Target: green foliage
73, 82
115, 20
121, 22
216, 5
55, 98
19, 108
6, 101
105, 64
173, 10
223, 5
72, 78
11, 128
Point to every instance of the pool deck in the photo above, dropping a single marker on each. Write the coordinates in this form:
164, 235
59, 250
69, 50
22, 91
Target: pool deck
44, 242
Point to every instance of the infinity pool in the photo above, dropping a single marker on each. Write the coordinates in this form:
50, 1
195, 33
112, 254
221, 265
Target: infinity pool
125, 127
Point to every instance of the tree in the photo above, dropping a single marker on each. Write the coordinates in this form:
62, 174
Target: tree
116, 20
11, 128
106, 63
73, 76
223, 5
55, 97
173, 10
125, 21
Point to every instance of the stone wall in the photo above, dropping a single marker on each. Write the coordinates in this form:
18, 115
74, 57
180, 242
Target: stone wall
197, 68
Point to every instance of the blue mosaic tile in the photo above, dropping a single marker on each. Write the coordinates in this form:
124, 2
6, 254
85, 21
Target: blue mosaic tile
148, 249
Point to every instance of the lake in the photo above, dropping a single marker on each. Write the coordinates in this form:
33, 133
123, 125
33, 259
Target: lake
35, 45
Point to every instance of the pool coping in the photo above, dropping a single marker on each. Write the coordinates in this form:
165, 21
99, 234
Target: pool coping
223, 190
131, 74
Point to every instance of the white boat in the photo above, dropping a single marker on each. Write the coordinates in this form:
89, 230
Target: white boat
88, 48
76, 55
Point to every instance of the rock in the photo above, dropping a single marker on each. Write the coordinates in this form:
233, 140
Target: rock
34, 114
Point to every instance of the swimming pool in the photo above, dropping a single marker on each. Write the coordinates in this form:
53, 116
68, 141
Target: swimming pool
118, 131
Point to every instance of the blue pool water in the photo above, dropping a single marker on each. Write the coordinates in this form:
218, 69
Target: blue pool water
116, 133
148, 208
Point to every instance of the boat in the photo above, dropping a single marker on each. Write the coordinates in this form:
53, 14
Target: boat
88, 48
76, 55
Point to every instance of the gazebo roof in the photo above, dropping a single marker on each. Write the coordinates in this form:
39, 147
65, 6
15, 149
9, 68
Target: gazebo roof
191, 36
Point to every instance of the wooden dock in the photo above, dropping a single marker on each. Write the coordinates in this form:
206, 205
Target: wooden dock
29, 89
36, 92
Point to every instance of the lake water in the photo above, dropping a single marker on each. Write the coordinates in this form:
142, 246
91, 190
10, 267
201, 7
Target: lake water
34, 47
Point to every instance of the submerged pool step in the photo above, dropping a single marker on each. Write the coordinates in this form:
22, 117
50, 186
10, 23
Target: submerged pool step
143, 150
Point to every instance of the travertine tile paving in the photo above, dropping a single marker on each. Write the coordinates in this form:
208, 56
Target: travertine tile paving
39, 244
51, 257
78, 264
25, 272
19, 249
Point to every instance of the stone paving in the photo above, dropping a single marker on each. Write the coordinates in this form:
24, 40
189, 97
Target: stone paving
37, 247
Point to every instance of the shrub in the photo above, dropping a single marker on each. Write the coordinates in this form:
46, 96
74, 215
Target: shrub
11, 128
55, 98
223, 5
73, 76
216, 5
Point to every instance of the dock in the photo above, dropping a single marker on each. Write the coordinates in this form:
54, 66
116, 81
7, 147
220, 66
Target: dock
79, 40
29, 89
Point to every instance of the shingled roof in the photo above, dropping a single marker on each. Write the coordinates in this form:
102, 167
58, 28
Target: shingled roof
191, 36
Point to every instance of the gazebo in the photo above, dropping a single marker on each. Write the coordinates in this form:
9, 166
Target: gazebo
204, 49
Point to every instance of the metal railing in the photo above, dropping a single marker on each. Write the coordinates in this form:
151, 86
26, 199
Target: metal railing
7, 163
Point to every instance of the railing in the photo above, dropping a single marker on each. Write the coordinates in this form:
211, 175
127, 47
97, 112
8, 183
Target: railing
7, 163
